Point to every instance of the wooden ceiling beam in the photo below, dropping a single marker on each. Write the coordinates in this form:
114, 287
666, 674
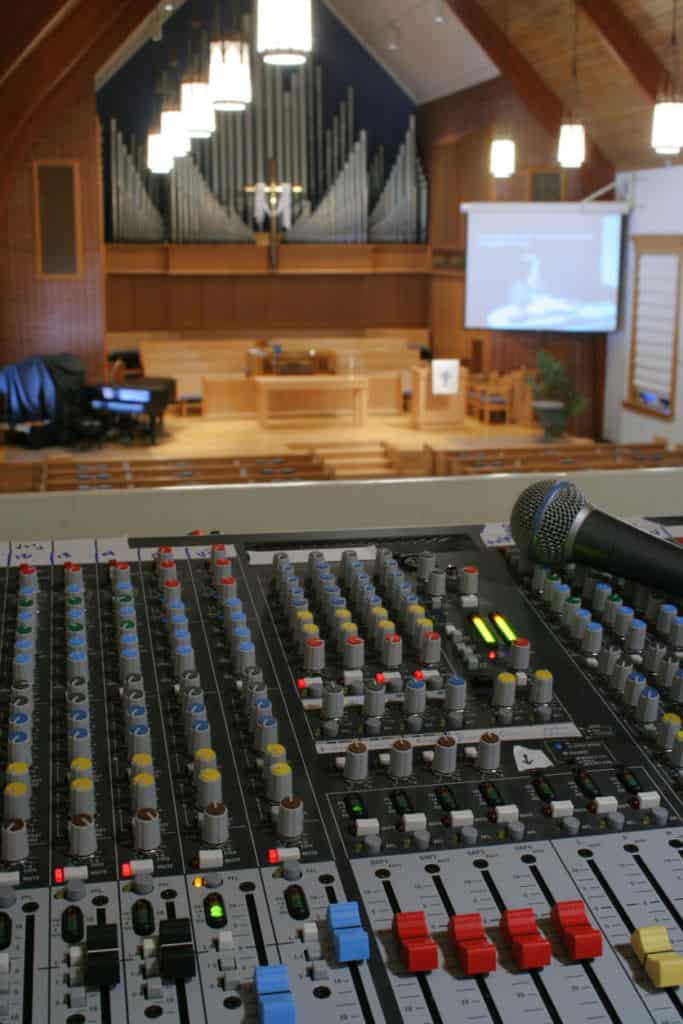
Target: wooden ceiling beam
21, 27
540, 100
56, 56
626, 44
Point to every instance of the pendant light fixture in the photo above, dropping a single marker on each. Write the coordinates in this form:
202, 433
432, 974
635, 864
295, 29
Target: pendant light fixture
503, 157
571, 150
284, 31
667, 119
159, 156
229, 62
195, 96
173, 127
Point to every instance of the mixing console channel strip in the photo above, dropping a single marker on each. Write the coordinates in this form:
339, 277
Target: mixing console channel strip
404, 777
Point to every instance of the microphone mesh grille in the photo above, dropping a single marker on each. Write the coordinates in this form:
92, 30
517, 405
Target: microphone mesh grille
546, 543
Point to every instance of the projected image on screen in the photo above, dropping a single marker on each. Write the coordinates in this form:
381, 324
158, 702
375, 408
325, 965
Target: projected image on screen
543, 271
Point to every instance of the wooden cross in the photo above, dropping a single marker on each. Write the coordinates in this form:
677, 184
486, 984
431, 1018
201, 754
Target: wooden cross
273, 191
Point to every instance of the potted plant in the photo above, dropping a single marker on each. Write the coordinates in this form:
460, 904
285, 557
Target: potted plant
556, 399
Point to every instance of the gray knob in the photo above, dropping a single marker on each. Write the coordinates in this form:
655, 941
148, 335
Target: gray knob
244, 657
139, 740
520, 653
541, 687
635, 638
469, 835
215, 825
77, 665
415, 700
279, 782
591, 642
445, 755
538, 578
579, 624
561, 595
489, 752
401, 759
356, 762
668, 727
166, 570
82, 836
516, 831
613, 605
571, 825
19, 746
146, 829
392, 651
200, 736
570, 610
615, 821
468, 581
665, 619
183, 660
421, 839
314, 655
635, 684
676, 692
430, 653
620, 674
79, 743
266, 732
333, 701
14, 845
653, 657
81, 797
504, 690
436, 585
650, 601
209, 787
143, 791
290, 818
623, 620
17, 801
354, 653
676, 756
647, 708
455, 692
550, 584
129, 661
426, 563
676, 633
660, 816
601, 595
374, 699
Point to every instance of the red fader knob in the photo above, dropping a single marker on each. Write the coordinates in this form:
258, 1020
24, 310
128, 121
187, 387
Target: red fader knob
419, 952
530, 949
476, 955
580, 940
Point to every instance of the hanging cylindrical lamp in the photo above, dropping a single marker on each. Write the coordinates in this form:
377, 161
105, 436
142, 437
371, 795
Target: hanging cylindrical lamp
159, 158
503, 156
172, 120
284, 31
230, 74
571, 149
667, 118
195, 94
503, 159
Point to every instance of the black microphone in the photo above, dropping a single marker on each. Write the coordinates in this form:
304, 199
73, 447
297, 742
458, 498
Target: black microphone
553, 524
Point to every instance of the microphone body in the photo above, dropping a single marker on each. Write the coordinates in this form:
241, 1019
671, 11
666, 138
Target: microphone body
554, 524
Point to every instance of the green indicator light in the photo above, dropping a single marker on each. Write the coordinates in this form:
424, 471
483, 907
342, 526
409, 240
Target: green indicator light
216, 911
483, 630
355, 806
504, 628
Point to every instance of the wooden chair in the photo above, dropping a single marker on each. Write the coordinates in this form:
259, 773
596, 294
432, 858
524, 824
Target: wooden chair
493, 397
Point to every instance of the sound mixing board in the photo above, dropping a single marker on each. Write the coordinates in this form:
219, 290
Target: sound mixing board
395, 777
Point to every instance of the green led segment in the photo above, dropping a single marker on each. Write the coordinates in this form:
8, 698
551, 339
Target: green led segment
446, 798
401, 801
214, 911
296, 903
483, 630
587, 784
544, 790
491, 794
504, 628
629, 781
355, 806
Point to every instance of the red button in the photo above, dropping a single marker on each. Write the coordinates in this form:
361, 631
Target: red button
531, 951
515, 923
419, 955
410, 926
582, 942
476, 956
465, 927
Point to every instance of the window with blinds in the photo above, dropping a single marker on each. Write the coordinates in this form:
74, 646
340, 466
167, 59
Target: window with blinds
654, 326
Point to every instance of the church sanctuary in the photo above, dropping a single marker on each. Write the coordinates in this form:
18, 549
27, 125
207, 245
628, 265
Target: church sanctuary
341, 512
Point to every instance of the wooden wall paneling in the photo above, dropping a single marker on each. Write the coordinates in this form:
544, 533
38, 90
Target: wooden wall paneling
217, 302
150, 303
446, 316
120, 306
251, 302
184, 296
21, 24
